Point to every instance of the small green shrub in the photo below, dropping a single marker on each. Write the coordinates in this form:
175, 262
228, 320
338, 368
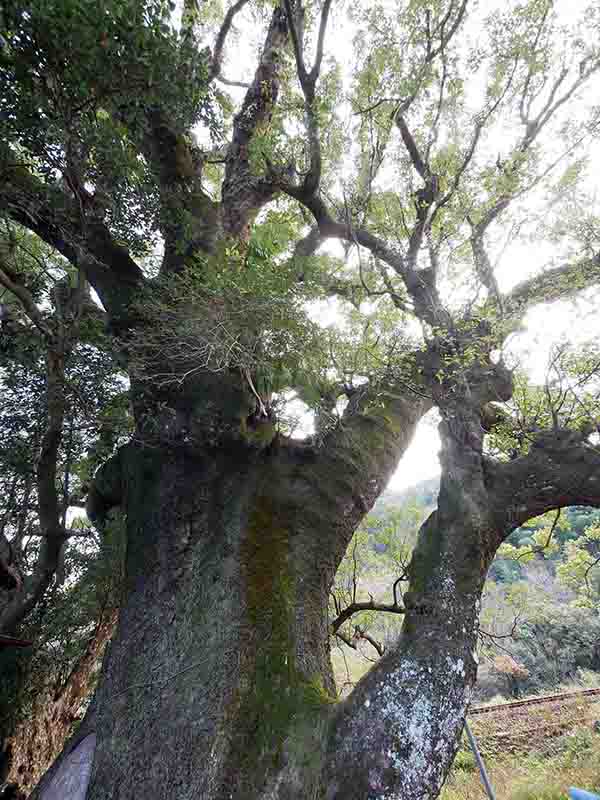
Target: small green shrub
465, 761
578, 745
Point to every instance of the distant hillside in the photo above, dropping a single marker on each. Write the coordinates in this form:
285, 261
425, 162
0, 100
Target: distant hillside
424, 493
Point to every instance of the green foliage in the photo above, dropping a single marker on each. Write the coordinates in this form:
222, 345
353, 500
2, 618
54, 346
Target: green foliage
375, 560
579, 746
78, 81
555, 631
570, 542
464, 761
568, 398
580, 570
87, 583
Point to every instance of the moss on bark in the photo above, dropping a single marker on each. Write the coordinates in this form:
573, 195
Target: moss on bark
281, 707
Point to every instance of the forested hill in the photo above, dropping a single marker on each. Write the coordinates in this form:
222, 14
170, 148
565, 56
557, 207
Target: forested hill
423, 493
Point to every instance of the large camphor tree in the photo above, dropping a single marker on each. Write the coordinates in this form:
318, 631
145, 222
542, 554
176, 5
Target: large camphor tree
425, 139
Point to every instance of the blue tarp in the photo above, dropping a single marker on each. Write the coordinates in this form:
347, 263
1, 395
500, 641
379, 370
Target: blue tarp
580, 794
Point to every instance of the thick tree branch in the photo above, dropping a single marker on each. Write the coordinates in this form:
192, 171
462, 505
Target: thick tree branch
360, 634
217, 59
559, 283
308, 82
244, 192
10, 574
411, 146
419, 283
435, 126
561, 469
309, 244
295, 15
85, 242
483, 265
106, 490
189, 217
357, 457
425, 198
228, 82
11, 281
316, 69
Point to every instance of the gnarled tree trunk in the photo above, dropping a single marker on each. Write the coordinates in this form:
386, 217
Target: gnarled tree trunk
218, 682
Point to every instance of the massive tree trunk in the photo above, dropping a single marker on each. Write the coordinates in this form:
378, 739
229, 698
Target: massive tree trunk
218, 683
224, 635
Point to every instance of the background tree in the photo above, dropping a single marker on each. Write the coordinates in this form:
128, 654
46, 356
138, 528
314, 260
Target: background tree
64, 408
218, 681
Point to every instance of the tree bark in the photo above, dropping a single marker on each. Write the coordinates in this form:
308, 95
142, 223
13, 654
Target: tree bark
38, 739
218, 682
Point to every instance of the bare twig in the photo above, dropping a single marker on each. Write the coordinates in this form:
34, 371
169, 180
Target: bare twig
357, 606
